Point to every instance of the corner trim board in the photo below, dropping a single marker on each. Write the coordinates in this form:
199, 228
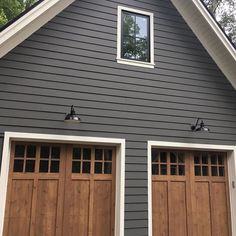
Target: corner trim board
231, 153
120, 166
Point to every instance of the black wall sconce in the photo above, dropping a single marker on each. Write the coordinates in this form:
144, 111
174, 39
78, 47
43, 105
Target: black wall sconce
72, 116
199, 126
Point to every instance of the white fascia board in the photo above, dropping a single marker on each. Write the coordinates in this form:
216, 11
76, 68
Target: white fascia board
29, 23
210, 35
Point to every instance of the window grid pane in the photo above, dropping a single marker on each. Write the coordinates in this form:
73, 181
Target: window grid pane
209, 164
135, 37
168, 163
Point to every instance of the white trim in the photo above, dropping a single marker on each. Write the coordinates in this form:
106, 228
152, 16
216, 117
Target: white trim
133, 62
210, 35
17, 32
231, 152
216, 28
120, 168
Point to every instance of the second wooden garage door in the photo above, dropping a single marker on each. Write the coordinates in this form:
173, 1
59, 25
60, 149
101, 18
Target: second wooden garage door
190, 194
60, 190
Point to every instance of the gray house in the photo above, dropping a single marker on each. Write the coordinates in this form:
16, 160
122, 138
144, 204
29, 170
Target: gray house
149, 147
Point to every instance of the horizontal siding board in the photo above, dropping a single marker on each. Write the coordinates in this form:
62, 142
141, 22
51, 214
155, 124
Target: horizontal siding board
133, 207
72, 60
138, 215
128, 132
134, 191
136, 232
200, 101
164, 56
135, 223
132, 113
160, 80
101, 121
141, 175
54, 51
119, 116
63, 66
136, 198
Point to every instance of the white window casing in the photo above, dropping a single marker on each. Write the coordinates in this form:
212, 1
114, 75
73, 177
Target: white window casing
119, 30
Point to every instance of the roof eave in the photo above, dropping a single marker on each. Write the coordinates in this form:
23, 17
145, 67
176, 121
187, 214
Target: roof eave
210, 35
29, 23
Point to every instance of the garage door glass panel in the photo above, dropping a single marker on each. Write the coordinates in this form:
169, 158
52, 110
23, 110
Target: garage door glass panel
209, 164
24, 158
103, 161
49, 159
168, 163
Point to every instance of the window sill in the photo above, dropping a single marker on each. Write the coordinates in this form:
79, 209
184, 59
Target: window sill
135, 63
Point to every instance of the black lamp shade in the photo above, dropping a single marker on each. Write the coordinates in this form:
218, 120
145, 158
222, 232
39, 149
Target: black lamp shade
199, 127
72, 116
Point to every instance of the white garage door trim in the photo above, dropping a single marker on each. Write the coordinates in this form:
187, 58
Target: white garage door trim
231, 153
120, 167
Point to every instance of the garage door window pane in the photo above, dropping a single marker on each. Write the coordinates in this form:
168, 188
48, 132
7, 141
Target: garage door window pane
31, 151
181, 170
107, 168
173, 170
205, 171
98, 154
30, 166
155, 169
98, 167
44, 152
20, 151
86, 154
43, 166
86, 167
221, 171
55, 166
107, 155
55, 152
76, 167
77, 153
163, 169
18, 166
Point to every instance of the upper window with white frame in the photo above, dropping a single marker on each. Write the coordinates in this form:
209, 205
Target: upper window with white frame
135, 37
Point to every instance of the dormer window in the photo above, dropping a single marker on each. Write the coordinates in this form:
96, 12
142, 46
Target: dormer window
135, 37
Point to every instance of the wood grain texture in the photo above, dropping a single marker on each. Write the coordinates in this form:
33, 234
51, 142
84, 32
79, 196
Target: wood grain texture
76, 209
18, 221
191, 205
64, 203
202, 210
160, 208
177, 209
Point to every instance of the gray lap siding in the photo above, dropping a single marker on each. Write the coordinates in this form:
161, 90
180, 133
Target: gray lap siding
72, 60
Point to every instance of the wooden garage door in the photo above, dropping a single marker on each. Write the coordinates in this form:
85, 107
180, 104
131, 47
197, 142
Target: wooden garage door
57, 190
190, 194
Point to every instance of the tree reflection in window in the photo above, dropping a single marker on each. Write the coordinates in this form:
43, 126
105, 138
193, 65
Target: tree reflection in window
135, 37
